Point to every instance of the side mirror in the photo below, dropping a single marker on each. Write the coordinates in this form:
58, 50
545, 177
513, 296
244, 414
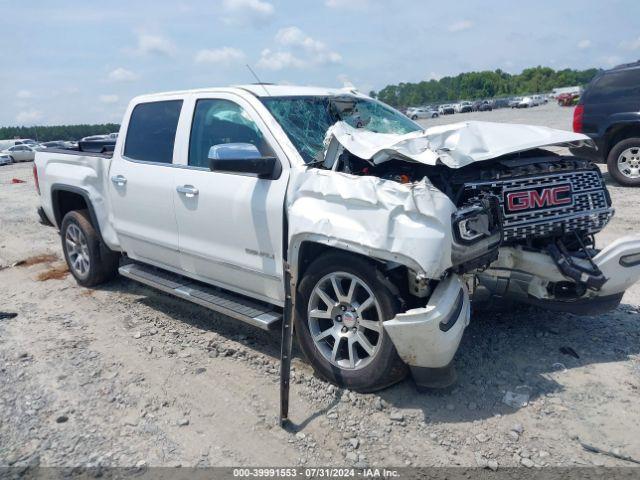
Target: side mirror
241, 158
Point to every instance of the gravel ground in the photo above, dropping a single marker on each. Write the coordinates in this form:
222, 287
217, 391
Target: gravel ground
123, 375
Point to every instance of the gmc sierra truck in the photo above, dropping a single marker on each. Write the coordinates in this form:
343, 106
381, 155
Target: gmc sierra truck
386, 230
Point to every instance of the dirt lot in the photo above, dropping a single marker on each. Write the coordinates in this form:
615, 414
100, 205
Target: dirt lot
123, 375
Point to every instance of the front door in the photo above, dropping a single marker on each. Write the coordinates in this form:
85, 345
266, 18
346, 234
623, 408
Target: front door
230, 225
141, 183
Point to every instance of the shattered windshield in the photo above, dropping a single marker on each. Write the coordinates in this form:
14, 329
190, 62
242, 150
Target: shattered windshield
306, 120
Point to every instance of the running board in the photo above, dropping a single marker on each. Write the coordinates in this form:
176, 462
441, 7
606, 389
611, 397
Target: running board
258, 314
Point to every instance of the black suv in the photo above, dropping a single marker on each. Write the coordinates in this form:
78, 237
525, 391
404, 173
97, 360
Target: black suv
609, 112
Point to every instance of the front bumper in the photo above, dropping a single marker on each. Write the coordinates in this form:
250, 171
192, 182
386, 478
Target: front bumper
427, 338
534, 277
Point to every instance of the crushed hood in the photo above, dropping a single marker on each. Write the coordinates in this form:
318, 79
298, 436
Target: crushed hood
454, 145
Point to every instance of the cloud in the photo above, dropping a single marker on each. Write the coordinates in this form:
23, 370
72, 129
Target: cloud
108, 99
304, 51
279, 60
583, 44
247, 11
460, 25
347, 4
24, 94
122, 75
154, 45
223, 55
611, 60
631, 44
29, 116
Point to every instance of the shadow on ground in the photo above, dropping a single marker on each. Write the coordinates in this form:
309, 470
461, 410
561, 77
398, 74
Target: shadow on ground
512, 349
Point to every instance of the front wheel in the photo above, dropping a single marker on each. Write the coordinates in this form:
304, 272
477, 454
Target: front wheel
340, 306
89, 260
415, 117
623, 162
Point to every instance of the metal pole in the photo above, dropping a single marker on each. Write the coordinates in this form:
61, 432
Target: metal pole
287, 346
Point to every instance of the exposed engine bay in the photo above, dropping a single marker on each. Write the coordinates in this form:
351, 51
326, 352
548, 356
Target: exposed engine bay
533, 201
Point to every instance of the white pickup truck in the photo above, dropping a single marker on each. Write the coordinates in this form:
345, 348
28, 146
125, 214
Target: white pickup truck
388, 231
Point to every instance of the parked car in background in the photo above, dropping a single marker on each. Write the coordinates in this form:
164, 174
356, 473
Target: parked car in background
539, 99
4, 144
568, 99
464, 107
482, 106
5, 159
526, 102
608, 112
446, 109
55, 144
500, 102
514, 102
93, 138
415, 113
21, 153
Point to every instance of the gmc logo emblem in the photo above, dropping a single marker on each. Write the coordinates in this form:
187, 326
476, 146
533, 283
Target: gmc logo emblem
538, 198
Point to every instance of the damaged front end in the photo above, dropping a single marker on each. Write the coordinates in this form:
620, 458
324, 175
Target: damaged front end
471, 211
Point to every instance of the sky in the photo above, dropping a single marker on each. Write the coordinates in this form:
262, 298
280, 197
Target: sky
66, 62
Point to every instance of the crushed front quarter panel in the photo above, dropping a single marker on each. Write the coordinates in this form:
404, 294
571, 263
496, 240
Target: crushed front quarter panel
406, 223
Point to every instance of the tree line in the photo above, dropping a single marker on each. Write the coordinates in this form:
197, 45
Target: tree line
58, 132
486, 84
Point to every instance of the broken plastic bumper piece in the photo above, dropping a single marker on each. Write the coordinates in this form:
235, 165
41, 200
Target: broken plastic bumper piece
427, 338
620, 264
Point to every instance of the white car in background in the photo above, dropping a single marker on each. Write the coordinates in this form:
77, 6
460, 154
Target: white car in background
526, 102
464, 107
21, 153
415, 113
539, 99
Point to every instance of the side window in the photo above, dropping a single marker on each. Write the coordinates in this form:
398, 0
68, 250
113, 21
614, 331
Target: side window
152, 131
217, 122
616, 87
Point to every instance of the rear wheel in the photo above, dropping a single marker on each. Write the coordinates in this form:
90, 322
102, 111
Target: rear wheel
340, 306
90, 261
623, 162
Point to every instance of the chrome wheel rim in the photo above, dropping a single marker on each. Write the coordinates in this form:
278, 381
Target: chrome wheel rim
77, 250
345, 320
629, 162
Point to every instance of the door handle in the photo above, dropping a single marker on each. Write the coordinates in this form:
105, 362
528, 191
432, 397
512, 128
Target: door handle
119, 180
188, 190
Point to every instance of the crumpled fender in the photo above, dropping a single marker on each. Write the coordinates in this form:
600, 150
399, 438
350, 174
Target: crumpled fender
406, 223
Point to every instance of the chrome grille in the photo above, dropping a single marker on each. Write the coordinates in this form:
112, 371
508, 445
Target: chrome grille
589, 212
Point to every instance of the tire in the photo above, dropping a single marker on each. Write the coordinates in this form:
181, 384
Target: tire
13, 160
368, 373
630, 149
97, 264
415, 117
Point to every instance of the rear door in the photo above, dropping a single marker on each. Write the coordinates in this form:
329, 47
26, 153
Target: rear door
230, 225
141, 182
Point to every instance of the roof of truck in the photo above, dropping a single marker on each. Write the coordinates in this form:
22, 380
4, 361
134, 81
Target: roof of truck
272, 90
266, 90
